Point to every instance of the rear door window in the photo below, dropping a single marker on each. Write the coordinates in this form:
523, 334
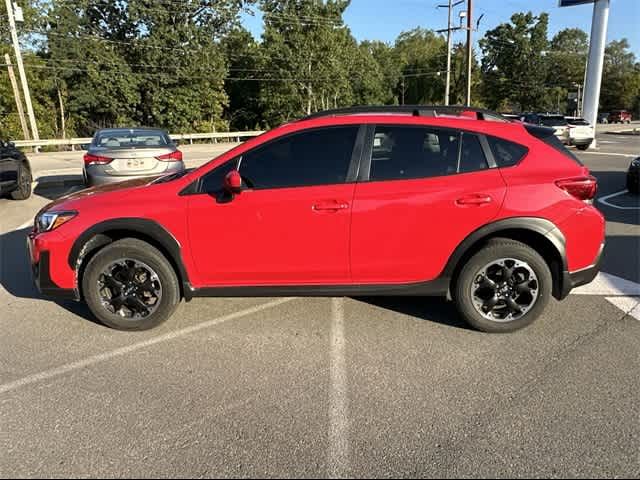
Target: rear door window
401, 152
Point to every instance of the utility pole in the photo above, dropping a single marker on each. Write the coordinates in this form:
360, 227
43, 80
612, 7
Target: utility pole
16, 95
21, 72
597, 42
449, 29
469, 50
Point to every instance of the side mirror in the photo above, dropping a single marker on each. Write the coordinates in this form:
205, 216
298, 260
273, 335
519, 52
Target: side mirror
233, 182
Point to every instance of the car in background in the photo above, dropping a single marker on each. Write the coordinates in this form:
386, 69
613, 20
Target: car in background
619, 116
15, 172
633, 176
118, 154
581, 132
556, 121
603, 117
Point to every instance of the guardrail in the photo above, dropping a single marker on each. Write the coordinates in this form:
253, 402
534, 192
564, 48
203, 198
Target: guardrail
183, 137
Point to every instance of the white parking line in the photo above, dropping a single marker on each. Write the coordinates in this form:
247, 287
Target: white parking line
339, 454
631, 306
610, 154
605, 201
118, 352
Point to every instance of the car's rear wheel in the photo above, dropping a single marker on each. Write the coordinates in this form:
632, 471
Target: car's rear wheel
504, 287
130, 285
582, 147
23, 190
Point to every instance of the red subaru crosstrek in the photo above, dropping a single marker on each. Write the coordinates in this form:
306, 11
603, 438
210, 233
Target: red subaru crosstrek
495, 215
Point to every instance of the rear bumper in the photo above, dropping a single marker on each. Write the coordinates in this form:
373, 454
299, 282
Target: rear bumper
571, 280
40, 269
580, 141
97, 175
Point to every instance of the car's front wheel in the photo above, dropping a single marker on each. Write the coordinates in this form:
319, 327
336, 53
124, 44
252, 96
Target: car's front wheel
130, 285
504, 287
23, 189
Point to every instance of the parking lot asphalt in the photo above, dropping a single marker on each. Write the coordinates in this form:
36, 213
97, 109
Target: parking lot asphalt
383, 387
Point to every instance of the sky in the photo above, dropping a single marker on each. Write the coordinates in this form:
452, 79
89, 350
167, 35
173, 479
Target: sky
385, 19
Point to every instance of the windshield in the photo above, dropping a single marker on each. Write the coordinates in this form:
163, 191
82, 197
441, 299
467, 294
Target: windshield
132, 138
552, 121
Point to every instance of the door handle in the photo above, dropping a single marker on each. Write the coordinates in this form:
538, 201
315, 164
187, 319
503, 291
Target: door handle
333, 206
474, 200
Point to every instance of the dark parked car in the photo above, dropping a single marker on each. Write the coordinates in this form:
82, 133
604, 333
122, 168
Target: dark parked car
633, 176
603, 117
118, 154
15, 172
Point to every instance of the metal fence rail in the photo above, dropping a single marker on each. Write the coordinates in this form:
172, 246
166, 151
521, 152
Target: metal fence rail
183, 137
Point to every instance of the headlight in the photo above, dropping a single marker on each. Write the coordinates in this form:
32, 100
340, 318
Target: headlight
51, 220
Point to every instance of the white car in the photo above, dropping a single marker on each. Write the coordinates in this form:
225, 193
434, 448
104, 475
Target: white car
581, 132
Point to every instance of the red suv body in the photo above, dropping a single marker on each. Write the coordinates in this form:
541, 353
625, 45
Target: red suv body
343, 203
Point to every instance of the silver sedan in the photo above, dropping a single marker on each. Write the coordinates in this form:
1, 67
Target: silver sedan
118, 154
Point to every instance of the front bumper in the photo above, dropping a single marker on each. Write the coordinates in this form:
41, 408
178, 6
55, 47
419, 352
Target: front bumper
40, 268
580, 141
571, 280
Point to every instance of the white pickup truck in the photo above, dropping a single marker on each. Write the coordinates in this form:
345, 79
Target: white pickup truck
581, 133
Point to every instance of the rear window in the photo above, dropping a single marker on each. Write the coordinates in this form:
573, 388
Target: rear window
548, 137
132, 138
506, 153
553, 121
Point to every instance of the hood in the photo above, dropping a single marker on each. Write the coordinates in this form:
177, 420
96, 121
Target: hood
69, 201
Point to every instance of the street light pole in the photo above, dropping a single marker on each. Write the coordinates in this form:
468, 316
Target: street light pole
469, 50
21, 72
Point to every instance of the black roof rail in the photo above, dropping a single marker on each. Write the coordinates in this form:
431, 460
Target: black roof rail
415, 110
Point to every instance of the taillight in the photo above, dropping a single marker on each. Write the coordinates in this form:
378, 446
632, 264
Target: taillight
171, 157
96, 159
583, 188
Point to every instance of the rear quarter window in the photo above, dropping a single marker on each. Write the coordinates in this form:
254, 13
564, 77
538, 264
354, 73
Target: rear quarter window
506, 153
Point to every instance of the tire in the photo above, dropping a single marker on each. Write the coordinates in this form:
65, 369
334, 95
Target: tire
582, 147
495, 250
23, 191
149, 260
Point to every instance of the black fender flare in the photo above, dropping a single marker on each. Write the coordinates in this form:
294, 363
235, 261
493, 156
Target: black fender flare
537, 225
142, 226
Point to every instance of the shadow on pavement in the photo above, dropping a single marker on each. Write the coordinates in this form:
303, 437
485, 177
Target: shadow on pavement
613, 182
432, 309
15, 273
54, 186
622, 257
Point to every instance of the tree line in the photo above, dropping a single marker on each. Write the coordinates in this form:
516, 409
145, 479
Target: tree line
190, 66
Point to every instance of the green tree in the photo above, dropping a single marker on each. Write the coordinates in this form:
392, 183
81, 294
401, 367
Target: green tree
422, 56
513, 65
306, 49
621, 78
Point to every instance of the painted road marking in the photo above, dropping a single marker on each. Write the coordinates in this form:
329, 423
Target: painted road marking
620, 292
627, 304
605, 201
610, 154
609, 286
338, 454
118, 352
